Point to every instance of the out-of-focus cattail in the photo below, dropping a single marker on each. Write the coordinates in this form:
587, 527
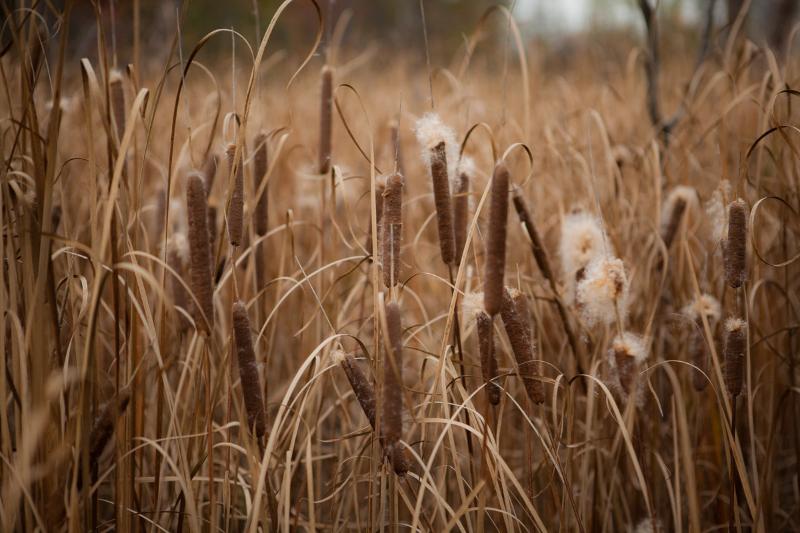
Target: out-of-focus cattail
178, 259
735, 249
582, 240
392, 229
488, 361
539, 251
461, 205
734, 351
248, 371
326, 120
676, 204
522, 346
392, 419
603, 292
260, 162
627, 352
496, 241
441, 197
364, 391
200, 252
117, 95
236, 207
103, 428
708, 306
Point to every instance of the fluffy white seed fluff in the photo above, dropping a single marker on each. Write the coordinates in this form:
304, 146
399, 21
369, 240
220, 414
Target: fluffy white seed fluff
682, 192
180, 245
338, 355
603, 292
704, 305
735, 324
430, 131
716, 212
647, 525
471, 305
582, 239
631, 344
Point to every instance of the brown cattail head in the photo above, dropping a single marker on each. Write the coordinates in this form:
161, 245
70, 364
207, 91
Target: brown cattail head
362, 387
248, 371
488, 361
104, 425
200, 253
326, 120
392, 419
236, 207
392, 229
260, 171
496, 241
734, 351
461, 210
735, 248
539, 251
627, 352
521, 344
117, 95
441, 197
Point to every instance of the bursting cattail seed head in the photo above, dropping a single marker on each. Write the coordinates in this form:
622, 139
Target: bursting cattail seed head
200, 252
734, 352
735, 249
248, 371
627, 353
496, 241
602, 294
521, 344
392, 232
236, 207
326, 120
260, 162
484, 325
677, 203
392, 419
582, 240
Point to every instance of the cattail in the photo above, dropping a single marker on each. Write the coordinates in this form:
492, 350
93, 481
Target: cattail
715, 212
539, 251
488, 361
522, 346
364, 391
326, 120
392, 381
461, 205
676, 204
627, 352
260, 171
602, 294
236, 207
248, 371
117, 95
708, 306
178, 259
104, 425
392, 229
496, 241
735, 249
200, 253
734, 350
582, 239
213, 229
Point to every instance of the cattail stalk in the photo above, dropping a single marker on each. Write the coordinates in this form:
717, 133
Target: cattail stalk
734, 352
522, 346
539, 251
441, 197
397, 147
392, 417
496, 241
735, 249
380, 187
392, 229
236, 207
461, 214
248, 371
326, 120
260, 162
488, 361
200, 253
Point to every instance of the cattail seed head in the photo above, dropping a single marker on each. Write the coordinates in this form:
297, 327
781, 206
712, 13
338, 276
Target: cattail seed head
628, 351
117, 95
248, 371
441, 197
363, 389
521, 344
103, 428
582, 239
676, 204
392, 418
178, 259
392, 229
236, 207
461, 205
326, 120
496, 240
602, 294
539, 251
488, 361
734, 352
735, 249
200, 253
260, 214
